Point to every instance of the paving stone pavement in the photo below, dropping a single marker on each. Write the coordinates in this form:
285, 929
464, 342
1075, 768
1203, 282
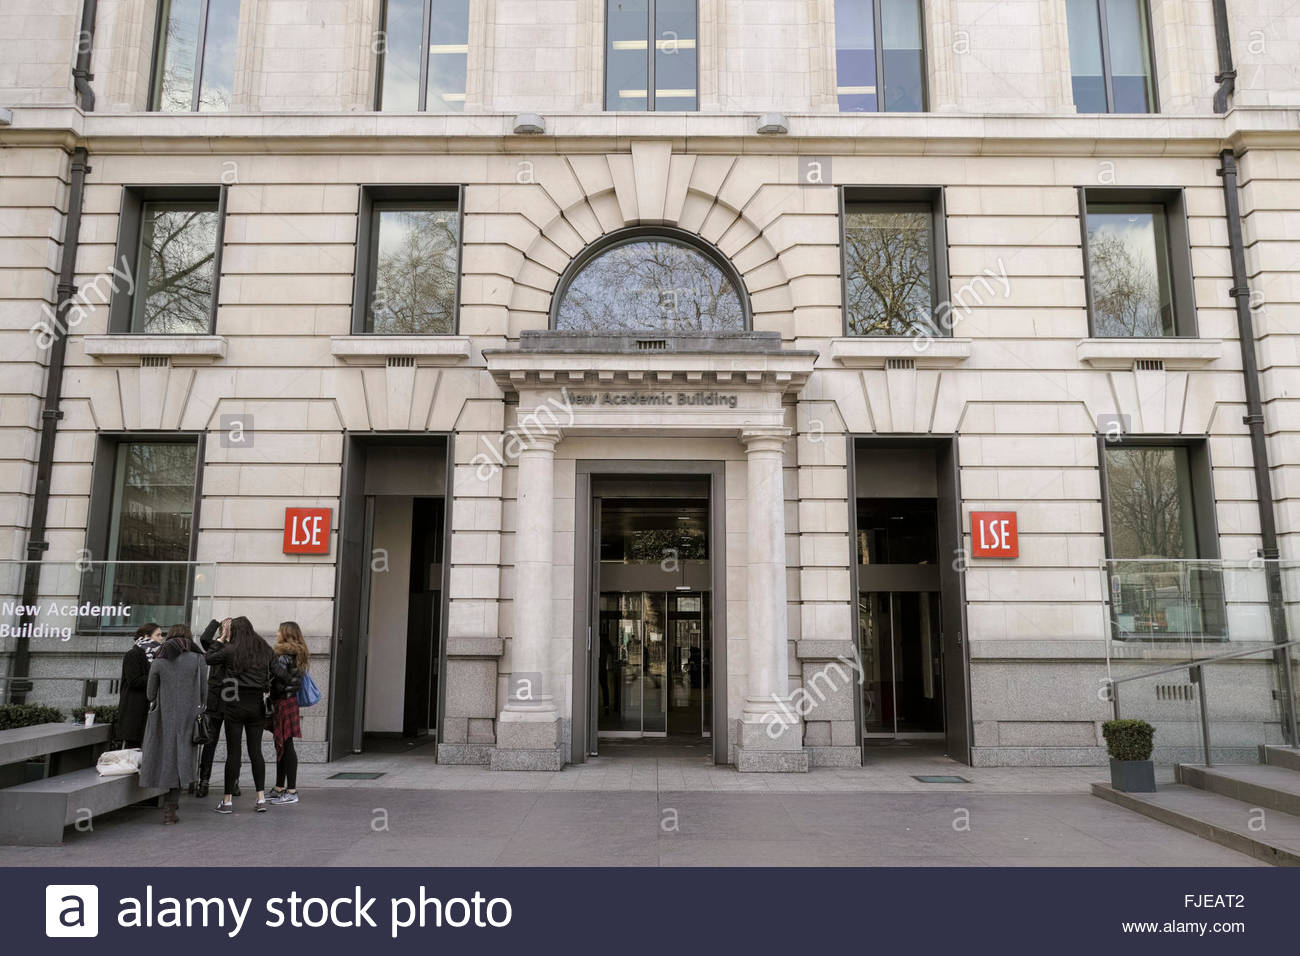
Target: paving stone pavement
650, 812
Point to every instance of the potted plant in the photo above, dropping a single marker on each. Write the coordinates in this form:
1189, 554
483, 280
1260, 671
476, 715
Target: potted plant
1129, 743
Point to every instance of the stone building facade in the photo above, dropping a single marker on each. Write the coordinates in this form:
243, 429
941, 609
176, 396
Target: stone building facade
504, 434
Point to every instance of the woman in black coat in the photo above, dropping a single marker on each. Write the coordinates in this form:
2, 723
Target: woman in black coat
132, 701
245, 659
214, 635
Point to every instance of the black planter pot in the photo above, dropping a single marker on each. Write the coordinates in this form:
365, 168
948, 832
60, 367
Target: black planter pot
1133, 776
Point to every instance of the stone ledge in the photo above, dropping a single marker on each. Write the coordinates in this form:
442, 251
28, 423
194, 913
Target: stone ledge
551, 760
877, 351
465, 754
823, 650
475, 647
129, 348
1176, 353
1038, 756
424, 349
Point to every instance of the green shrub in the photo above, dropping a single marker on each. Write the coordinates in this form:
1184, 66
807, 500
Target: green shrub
1128, 739
104, 713
13, 716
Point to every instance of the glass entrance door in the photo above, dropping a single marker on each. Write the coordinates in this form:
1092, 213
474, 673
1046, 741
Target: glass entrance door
900, 641
652, 676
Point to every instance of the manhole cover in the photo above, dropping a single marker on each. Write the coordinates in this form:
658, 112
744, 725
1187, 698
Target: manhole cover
939, 778
355, 775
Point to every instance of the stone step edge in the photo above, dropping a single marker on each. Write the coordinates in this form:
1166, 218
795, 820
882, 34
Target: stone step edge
1275, 756
1247, 844
1211, 780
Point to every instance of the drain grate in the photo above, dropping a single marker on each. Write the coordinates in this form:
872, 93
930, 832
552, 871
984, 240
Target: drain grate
355, 775
939, 778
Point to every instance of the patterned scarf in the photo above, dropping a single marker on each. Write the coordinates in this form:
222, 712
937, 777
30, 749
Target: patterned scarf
149, 647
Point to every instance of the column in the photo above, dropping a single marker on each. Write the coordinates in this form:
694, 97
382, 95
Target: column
528, 728
771, 733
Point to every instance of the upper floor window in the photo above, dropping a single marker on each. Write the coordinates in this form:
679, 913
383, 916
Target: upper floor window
1139, 273
424, 56
650, 283
1110, 56
879, 59
194, 55
408, 261
169, 239
894, 266
651, 60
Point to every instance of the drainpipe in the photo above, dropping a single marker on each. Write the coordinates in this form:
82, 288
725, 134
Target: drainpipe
1254, 420
81, 75
19, 684
1227, 75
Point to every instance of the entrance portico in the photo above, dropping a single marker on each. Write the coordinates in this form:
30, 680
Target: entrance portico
676, 389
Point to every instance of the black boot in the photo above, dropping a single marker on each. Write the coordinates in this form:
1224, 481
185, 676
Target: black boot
201, 788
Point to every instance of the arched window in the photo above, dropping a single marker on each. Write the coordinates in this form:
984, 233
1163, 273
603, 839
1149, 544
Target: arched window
641, 281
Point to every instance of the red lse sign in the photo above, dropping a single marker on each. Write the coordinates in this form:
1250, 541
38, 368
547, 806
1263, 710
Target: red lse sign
307, 530
993, 534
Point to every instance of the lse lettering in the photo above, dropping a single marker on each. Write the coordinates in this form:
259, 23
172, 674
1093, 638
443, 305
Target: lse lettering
306, 530
994, 535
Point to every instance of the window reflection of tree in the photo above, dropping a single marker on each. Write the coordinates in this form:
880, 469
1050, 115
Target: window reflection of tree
651, 285
1125, 290
888, 272
415, 272
179, 246
1146, 504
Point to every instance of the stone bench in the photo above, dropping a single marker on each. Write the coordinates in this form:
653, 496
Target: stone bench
34, 814
69, 747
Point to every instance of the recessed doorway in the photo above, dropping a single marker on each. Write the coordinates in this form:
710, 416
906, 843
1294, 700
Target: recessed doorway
648, 577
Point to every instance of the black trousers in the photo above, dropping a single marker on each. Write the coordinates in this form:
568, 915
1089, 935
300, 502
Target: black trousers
245, 721
286, 768
209, 750
172, 798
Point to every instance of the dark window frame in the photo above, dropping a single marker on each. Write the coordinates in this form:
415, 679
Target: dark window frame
1108, 77
426, 26
156, 61
99, 518
122, 306
376, 198
1204, 504
898, 197
1182, 289
651, 48
879, 32
634, 234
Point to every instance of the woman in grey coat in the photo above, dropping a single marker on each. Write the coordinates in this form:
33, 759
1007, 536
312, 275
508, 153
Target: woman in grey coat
175, 692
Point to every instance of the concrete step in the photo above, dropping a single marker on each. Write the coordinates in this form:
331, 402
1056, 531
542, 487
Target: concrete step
1219, 819
1288, 757
1273, 788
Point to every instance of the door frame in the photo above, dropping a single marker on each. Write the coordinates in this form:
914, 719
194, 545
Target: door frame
346, 716
586, 600
951, 584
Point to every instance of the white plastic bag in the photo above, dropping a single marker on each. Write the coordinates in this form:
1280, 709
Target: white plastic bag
117, 763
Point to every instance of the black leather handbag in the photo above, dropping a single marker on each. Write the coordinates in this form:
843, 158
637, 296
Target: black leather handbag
204, 730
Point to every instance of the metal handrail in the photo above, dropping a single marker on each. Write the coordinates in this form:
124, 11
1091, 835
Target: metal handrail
1196, 676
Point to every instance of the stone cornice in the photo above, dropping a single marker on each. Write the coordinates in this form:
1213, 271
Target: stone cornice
841, 134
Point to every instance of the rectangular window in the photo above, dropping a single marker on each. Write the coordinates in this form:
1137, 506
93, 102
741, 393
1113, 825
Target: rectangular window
411, 79
894, 262
1110, 56
640, 77
879, 56
1138, 286
194, 55
150, 527
1164, 580
408, 262
169, 240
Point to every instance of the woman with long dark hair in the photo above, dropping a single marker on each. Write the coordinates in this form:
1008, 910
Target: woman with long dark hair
287, 670
245, 659
176, 693
132, 701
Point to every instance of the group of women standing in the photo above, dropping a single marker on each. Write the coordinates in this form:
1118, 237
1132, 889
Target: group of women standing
175, 691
